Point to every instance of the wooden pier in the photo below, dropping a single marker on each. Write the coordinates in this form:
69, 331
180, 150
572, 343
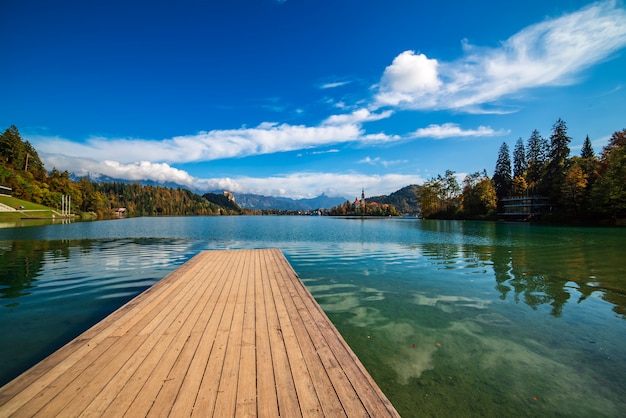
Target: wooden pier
229, 333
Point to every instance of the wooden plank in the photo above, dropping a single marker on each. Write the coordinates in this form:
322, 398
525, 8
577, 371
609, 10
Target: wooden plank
184, 403
190, 340
226, 396
247, 382
148, 376
307, 397
306, 331
207, 393
230, 333
267, 400
286, 394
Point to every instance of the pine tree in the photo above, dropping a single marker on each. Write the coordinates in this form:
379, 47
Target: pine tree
587, 150
520, 167
519, 159
502, 175
12, 148
556, 169
536, 154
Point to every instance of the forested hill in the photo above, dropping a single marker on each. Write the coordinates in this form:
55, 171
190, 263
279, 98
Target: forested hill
405, 200
21, 170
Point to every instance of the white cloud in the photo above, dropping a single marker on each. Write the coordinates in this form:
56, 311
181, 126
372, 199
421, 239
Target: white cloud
267, 138
409, 78
334, 85
311, 184
379, 161
550, 53
356, 117
452, 130
144, 170
330, 151
294, 185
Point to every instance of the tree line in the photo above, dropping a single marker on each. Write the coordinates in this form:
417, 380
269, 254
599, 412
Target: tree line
364, 209
587, 187
22, 170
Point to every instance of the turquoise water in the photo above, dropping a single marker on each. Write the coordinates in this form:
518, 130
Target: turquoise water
450, 318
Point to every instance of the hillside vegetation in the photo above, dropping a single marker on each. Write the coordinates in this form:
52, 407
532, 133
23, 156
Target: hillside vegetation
22, 170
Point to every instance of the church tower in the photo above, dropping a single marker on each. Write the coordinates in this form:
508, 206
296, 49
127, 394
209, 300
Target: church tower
362, 202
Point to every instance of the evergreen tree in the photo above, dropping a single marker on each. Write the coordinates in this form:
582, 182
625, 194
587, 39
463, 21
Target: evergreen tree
587, 150
502, 179
556, 169
12, 148
519, 159
536, 154
519, 168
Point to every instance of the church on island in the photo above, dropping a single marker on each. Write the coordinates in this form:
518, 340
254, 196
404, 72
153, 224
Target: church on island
361, 204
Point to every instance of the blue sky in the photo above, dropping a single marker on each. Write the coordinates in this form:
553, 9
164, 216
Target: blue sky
303, 97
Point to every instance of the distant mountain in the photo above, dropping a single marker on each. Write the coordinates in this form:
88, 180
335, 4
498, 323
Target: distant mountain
405, 199
259, 202
242, 200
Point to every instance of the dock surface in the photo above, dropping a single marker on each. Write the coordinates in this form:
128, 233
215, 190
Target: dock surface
229, 333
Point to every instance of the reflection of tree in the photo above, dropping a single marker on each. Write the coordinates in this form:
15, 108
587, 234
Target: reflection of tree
540, 266
518, 269
22, 261
532, 264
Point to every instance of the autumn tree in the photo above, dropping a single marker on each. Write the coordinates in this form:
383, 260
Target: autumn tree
439, 197
61, 184
574, 186
430, 198
609, 191
478, 199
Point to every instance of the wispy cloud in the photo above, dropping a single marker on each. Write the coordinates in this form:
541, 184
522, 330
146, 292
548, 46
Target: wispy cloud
550, 53
356, 117
330, 151
267, 138
453, 130
334, 85
380, 161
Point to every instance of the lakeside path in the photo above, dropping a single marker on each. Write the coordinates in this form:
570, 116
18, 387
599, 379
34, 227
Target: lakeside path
229, 333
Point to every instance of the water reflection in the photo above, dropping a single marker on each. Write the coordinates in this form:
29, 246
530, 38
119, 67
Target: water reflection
534, 265
447, 316
22, 262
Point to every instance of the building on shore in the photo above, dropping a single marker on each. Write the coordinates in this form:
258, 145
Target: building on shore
524, 208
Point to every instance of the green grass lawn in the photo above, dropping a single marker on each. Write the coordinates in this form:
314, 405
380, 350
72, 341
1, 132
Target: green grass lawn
42, 211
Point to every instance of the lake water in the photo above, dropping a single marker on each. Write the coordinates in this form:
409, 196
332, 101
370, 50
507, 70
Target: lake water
450, 318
